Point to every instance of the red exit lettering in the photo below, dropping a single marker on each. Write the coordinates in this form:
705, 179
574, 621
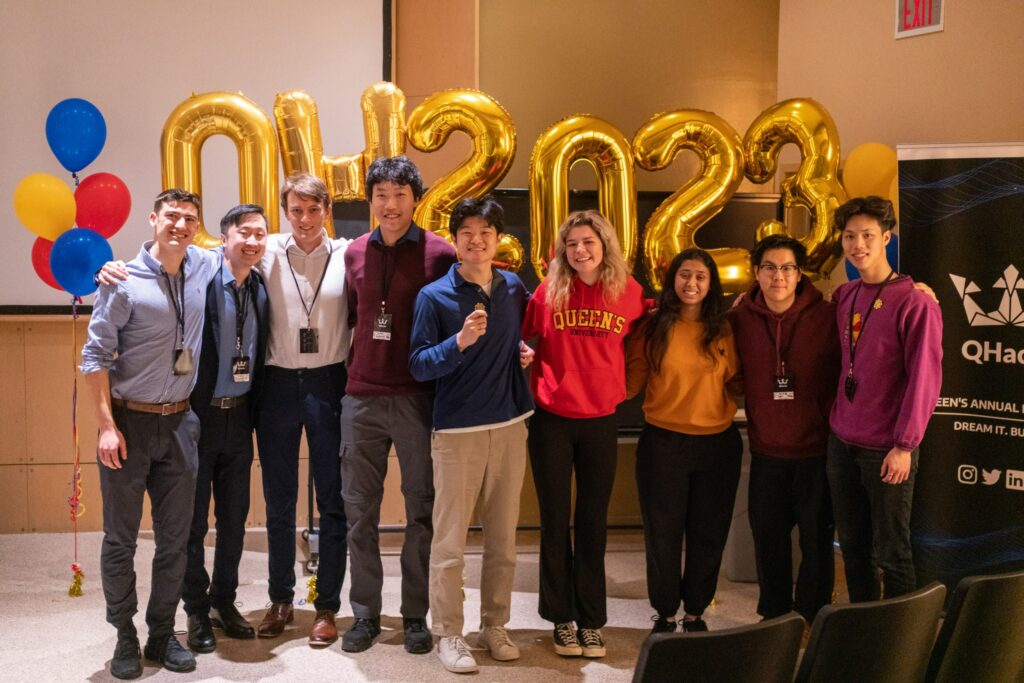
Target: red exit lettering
916, 14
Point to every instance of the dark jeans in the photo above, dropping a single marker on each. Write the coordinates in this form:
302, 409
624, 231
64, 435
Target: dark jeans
873, 521
687, 485
370, 425
225, 464
572, 580
293, 400
786, 493
162, 462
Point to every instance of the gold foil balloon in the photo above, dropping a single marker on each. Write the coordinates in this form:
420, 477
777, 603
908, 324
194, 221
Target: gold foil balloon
493, 135
869, 170
815, 185
45, 205
603, 146
302, 148
236, 116
673, 225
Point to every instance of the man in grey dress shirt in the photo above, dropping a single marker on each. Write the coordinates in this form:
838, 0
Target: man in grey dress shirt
139, 362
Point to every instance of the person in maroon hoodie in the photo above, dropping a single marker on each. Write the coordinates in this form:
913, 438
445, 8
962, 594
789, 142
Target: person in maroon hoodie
384, 404
789, 349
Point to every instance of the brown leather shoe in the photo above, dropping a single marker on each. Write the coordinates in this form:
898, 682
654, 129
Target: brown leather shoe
324, 631
279, 614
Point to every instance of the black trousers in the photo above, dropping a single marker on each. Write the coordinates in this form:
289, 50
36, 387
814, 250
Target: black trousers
225, 463
572, 579
783, 494
161, 462
294, 400
687, 485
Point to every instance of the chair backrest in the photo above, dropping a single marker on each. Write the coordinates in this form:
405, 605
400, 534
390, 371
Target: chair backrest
982, 638
880, 641
765, 652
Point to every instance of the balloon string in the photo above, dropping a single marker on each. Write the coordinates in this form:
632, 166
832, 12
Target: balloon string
74, 176
77, 509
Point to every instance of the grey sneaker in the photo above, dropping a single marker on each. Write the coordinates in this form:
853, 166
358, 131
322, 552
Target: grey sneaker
495, 640
565, 641
592, 642
455, 655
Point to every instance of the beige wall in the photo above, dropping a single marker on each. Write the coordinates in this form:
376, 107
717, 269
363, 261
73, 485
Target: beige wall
959, 85
625, 62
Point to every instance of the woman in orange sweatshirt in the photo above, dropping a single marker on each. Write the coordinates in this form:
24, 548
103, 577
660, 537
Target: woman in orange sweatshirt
688, 456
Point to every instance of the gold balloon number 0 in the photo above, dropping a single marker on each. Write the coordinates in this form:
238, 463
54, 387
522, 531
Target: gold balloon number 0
493, 135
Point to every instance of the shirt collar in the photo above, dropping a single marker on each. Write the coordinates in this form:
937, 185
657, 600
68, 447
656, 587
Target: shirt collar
154, 265
227, 277
323, 247
459, 281
411, 235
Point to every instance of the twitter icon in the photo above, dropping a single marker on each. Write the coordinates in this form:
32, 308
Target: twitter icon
990, 477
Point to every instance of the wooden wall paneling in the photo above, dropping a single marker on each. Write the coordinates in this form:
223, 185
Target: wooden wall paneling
14, 494
12, 396
49, 487
625, 504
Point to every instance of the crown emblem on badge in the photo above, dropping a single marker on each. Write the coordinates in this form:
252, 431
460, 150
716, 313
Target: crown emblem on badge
1009, 311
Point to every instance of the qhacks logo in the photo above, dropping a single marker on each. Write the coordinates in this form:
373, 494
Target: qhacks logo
968, 475
1009, 313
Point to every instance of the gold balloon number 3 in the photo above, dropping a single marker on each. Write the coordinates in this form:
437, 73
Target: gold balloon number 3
493, 135
673, 225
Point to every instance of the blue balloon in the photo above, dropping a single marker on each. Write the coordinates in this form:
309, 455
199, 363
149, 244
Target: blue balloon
76, 132
76, 256
892, 255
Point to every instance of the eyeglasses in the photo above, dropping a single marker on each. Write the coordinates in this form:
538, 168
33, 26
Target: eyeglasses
788, 270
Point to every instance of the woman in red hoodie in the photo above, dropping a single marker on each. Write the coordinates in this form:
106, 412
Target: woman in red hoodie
579, 317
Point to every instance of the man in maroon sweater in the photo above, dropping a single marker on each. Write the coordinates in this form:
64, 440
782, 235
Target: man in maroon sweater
384, 405
787, 341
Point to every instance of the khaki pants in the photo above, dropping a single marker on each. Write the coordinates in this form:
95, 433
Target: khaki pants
487, 465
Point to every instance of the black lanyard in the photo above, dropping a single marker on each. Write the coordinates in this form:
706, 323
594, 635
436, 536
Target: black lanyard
386, 273
309, 308
241, 310
781, 352
864, 321
179, 309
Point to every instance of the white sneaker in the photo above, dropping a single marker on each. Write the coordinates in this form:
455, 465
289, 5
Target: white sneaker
495, 640
455, 655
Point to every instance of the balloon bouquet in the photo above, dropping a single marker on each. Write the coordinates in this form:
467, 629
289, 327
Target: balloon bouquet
64, 256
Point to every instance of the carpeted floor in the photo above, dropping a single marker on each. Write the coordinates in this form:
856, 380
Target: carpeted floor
47, 636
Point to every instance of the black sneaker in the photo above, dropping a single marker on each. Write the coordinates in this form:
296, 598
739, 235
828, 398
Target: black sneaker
566, 643
360, 636
662, 625
171, 654
592, 642
127, 660
697, 625
418, 640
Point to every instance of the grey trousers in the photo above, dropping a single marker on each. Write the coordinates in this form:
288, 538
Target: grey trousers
369, 426
162, 461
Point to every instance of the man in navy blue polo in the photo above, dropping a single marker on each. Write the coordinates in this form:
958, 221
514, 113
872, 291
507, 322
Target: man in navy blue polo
466, 336
234, 346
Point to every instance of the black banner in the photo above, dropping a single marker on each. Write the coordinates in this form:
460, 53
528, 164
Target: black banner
961, 215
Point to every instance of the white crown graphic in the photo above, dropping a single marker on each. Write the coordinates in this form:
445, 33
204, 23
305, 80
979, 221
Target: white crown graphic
1009, 311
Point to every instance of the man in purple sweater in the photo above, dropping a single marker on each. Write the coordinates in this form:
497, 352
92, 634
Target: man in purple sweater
384, 405
891, 340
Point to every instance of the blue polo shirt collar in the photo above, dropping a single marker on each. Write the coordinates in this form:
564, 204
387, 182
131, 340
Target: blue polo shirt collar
458, 281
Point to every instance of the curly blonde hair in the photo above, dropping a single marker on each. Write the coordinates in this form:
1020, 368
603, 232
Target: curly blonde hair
613, 269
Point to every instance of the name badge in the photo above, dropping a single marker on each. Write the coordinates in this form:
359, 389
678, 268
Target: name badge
309, 340
382, 327
183, 364
783, 388
240, 368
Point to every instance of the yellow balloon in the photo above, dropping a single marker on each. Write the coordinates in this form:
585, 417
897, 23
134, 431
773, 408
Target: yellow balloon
815, 185
239, 118
302, 148
45, 205
606, 149
673, 225
869, 170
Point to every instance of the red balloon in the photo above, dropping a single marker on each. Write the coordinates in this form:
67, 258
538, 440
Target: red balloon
41, 262
103, 203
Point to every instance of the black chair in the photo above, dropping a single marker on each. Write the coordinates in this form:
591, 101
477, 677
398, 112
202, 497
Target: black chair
759, 653
880, 641
982, 638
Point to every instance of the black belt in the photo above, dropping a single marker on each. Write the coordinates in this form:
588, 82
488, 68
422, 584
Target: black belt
227, 402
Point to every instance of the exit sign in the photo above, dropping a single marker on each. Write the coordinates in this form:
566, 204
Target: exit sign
914, 17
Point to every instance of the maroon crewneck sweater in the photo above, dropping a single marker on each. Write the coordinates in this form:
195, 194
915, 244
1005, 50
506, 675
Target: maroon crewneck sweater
377, 367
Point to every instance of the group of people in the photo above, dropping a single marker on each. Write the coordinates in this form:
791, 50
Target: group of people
398, 339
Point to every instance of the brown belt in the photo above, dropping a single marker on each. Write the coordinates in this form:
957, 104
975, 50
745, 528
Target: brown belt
229, 401
155, 408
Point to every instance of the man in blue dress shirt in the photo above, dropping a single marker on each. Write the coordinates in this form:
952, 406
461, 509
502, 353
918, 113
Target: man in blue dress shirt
230, 368
145, 336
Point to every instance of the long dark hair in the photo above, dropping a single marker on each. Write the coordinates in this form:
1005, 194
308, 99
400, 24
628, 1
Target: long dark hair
712, 310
